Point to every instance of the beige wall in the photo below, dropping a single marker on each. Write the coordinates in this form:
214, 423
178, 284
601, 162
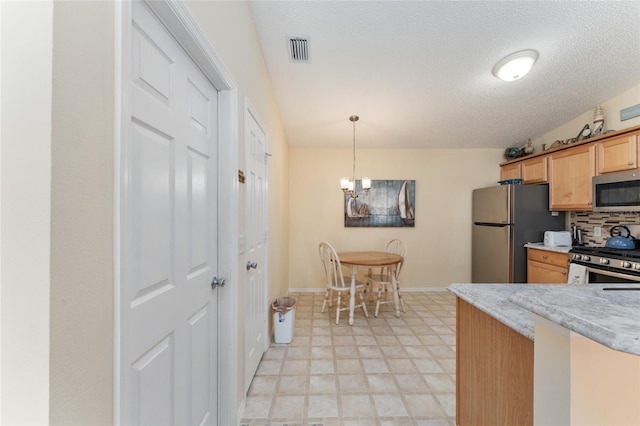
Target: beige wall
82, 214
25, 206
439, 247
612, 121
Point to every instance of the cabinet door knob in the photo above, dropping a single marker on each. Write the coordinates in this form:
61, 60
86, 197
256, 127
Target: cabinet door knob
545, 256
630, 163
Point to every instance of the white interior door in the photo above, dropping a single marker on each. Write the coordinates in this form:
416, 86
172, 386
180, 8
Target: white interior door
169, 192
255, 328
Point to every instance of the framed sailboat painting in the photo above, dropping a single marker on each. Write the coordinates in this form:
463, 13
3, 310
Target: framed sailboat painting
389, 203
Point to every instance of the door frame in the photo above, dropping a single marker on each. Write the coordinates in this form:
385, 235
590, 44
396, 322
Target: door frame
178, 20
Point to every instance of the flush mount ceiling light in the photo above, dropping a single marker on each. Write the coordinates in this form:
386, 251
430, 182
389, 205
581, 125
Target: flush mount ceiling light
516, 65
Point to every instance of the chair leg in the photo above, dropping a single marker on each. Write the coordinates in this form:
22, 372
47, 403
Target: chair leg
368, 288
326, 297
404, 309
364, 306
378, 299
338, 308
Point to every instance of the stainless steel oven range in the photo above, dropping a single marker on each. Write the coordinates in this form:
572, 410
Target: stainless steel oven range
608, 265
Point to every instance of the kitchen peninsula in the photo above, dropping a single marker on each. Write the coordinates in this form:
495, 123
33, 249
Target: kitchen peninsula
547, 354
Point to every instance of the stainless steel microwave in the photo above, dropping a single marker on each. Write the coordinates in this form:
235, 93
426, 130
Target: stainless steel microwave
617, 192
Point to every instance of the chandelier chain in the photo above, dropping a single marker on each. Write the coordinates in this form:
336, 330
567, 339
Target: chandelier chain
354, 118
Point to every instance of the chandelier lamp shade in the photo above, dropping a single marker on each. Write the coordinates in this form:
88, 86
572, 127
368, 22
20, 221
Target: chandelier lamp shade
516, 65
349, 185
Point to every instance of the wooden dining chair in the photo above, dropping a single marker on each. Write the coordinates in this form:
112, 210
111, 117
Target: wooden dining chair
382, 276
336, 283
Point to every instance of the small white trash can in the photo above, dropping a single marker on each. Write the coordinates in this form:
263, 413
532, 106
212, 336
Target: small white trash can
284, 319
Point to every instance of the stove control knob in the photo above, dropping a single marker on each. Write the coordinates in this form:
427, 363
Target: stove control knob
626, 264
604, 261
636, 266
586, 258
577, 257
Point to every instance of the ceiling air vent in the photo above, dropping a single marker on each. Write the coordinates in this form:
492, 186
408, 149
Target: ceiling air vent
298, 49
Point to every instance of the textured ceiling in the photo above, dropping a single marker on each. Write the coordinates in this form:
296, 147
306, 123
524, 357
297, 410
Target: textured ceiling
419, 73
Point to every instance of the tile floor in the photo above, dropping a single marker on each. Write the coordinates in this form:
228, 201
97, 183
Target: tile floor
380, 371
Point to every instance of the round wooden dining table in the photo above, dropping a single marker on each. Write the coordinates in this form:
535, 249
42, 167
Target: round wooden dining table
370, 259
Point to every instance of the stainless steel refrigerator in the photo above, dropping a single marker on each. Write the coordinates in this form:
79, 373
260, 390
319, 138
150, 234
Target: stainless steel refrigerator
505, 218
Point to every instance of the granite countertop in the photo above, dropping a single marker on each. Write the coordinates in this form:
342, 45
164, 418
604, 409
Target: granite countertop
611, 318
541, 246
493, 299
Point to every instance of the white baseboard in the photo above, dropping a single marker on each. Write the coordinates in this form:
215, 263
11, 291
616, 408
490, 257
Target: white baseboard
402, 289
240, 413
423, 289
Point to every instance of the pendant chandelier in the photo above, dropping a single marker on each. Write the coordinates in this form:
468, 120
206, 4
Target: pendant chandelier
349, 185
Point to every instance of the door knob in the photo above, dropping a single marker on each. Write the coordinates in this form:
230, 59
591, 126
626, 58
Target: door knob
217, 282
251, 264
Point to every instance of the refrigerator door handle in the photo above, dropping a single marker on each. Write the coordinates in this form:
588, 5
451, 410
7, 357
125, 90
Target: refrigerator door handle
499, 225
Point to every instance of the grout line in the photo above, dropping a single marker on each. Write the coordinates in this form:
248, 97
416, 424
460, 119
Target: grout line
436, 309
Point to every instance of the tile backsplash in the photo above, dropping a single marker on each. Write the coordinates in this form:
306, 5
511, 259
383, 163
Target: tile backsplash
586, 221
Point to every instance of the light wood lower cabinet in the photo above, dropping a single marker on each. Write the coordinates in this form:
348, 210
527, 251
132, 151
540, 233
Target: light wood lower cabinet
494, 371
546, 267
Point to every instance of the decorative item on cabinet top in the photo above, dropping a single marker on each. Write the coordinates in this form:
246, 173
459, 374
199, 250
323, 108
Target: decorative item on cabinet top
512, 153
510, 181
598, 121
528, 150
586, 132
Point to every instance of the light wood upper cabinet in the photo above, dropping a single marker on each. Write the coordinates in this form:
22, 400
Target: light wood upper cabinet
617, 154
534, 170
570, 169
570, 173
546, 267
510, 171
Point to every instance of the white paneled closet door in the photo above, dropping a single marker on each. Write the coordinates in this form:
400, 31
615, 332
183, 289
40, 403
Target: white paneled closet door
256, 305
169, 308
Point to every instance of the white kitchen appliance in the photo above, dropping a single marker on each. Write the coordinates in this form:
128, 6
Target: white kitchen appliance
557, 238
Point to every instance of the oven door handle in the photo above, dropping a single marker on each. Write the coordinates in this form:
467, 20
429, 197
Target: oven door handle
614, 274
